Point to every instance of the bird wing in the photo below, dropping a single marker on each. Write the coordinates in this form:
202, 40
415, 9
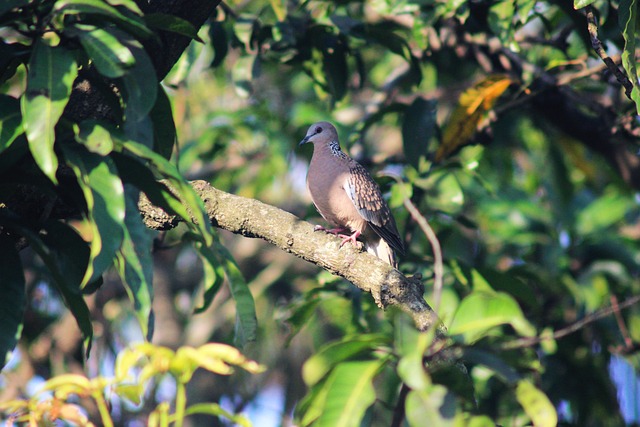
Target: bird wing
367, 198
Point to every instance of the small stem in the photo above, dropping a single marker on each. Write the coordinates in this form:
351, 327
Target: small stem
103, 410
181, 403
399, 411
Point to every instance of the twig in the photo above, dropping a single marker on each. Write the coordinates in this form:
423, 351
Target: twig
574, 327
628, 342
438, 268
592, 27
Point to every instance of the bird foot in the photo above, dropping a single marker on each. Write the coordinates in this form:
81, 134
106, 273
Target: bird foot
349, 238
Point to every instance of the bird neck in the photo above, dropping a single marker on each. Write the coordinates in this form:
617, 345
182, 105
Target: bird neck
333, 147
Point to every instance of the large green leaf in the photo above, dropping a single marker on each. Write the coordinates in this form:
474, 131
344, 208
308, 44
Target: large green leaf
52, 71
172, 23
433, 407
10, 120
246, 322
214, 274
164, 128
131, 23
12, 298
109, 55
104, 195
627, 20
325, 359
63, 252
483, 310
133, 171
536, 404
135, 262
349, 393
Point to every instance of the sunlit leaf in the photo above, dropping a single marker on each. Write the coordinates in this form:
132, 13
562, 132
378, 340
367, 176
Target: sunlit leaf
472, 107
104, 195
536, 404
482, 310
109, 55
325, 359
435, 407
133, 25
95, 136
579, 4
349, 393
217, 411
12, 298
52, 71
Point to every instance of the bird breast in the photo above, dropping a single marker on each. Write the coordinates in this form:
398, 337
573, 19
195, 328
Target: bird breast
326, 181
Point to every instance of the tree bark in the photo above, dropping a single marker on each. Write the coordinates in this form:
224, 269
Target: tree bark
252, 218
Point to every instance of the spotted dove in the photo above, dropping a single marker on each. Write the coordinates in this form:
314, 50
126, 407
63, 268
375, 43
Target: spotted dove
347, 197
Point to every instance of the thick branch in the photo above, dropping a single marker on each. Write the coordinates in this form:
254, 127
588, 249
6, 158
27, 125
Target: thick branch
252, 218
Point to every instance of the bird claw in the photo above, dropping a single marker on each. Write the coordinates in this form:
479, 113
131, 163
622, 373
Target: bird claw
349, 238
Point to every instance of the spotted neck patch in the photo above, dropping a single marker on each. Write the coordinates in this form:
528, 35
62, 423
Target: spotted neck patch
334, 146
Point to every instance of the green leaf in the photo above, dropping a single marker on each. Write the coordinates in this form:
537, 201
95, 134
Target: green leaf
418, 127
603, 213
214, 274
104, 195
434, 407
52, 71
579, 4
627, 18
500, 20
217, 411
326, 358
164, 128
62, 253
110, 57
349, 393
163, 167
135, 262
481, 311
95, 136
172, 23
246, 322
133, 25
501, 368
10, 121
133, 171
139, 86
12, 298
220, 42
536, 404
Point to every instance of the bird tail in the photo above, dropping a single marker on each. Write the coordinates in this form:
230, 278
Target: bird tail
380, 248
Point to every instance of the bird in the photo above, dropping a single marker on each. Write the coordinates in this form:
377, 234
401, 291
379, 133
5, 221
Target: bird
347, 197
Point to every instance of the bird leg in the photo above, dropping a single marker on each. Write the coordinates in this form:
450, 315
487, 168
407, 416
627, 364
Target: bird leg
340, 233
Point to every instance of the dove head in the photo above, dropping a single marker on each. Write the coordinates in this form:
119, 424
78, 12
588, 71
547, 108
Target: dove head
321, 132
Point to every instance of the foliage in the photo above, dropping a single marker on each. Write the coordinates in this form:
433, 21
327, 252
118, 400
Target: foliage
150, 365
510, 137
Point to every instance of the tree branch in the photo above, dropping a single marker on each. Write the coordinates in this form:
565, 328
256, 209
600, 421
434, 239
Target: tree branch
252, 218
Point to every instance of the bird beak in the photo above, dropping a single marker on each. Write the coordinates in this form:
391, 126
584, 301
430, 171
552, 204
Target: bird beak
305, 140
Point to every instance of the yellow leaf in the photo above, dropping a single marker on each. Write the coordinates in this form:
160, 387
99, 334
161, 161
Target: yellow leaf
473, 105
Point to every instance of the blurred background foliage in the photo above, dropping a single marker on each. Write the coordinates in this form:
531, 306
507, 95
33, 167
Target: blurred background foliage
511, 136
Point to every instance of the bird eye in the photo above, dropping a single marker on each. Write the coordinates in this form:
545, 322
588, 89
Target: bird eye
318, 129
